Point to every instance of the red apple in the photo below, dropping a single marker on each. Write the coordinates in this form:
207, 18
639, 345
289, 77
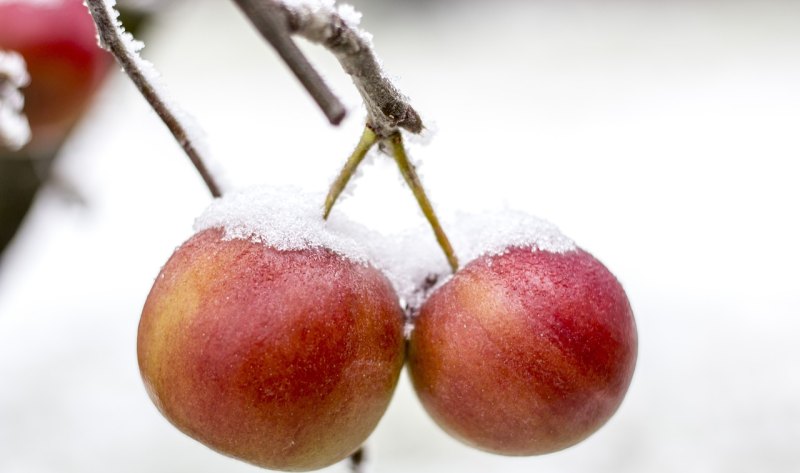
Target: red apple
284, 359
524, 352
59, 44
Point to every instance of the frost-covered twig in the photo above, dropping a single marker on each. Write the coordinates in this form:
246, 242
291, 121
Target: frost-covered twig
125, 49
319, 21
14, 129
388, 111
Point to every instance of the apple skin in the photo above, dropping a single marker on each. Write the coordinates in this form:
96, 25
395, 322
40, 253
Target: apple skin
66, 66
524, 353
284, 359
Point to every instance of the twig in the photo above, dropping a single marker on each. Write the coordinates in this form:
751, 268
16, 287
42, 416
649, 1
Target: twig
270, 21
387, 109
114, 39
356, 461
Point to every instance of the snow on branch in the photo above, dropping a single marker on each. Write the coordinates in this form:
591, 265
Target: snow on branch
113, 37
337, 29
14, 129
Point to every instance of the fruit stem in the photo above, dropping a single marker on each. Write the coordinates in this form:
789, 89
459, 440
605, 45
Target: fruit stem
368, 140
409, 173
356, 462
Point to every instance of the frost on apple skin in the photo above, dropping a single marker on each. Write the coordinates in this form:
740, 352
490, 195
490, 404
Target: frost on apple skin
524, 352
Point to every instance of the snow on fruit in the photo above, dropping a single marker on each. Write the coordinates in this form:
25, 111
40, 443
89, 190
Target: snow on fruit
276, 347
528, 349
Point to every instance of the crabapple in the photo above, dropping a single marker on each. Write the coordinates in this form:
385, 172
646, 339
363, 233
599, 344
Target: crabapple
59, 43
525, 351
286, 359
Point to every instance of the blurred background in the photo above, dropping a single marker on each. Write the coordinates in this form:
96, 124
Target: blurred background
661, 136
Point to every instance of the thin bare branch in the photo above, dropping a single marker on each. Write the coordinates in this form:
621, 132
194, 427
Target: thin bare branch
388, 110
357, 460
110, 33
270, 20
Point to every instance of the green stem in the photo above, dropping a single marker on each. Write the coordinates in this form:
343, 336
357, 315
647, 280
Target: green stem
412, 179
368, 140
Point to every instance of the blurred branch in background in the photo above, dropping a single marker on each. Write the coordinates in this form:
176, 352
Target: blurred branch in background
66, 68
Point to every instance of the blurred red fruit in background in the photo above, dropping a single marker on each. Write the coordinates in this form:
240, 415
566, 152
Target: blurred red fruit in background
58, 41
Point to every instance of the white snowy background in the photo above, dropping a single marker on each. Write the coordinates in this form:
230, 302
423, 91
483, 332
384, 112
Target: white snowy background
661, 136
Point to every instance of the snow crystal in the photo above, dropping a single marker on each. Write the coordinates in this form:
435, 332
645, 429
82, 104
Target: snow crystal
149, 6
318, 12
493, 232
350, 15
416, 265
426, 136
14, 129
310, 5
287, 219
291, 219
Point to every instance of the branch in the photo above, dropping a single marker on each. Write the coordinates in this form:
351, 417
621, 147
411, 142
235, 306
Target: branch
387, 109
337, 30
14, 129
356, 461
269, 21
122, 45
